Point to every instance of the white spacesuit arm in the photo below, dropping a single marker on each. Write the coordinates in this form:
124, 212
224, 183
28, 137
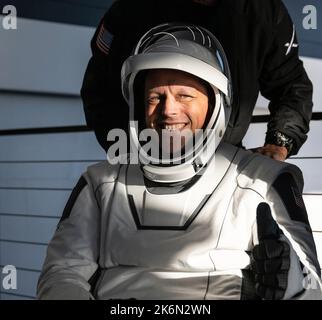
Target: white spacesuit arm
289, 211
73, 251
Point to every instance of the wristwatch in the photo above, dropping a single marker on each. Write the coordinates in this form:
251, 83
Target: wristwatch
280, 139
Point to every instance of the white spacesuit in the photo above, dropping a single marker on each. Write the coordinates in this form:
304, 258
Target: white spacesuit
197, 229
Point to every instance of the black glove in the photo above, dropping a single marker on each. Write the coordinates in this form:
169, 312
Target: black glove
270, 259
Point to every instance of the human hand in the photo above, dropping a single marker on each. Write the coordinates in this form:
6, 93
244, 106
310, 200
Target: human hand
272, 151
270, 259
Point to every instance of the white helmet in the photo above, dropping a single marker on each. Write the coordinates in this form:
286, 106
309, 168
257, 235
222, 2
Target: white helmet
194, 50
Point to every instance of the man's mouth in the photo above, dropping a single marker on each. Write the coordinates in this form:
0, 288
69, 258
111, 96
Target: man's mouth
172, 126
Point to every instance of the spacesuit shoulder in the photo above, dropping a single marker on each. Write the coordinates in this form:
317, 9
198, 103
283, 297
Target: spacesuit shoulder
102, 172
258, 172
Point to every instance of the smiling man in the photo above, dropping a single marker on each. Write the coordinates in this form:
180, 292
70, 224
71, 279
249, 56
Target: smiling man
221, 223
175, 100
176, 106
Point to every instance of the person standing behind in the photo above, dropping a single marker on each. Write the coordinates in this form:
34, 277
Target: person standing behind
260, 41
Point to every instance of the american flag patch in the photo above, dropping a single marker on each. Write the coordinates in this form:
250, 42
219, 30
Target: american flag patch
104, 40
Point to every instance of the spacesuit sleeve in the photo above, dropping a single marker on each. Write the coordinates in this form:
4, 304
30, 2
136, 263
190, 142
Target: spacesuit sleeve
73, 252
285, 197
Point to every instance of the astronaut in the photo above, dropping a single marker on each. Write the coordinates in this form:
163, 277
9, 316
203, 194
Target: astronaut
204, 220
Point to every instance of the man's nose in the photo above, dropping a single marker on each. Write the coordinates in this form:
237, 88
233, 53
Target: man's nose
170, 106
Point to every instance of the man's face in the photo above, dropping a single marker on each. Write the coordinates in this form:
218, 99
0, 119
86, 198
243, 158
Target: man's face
175, 101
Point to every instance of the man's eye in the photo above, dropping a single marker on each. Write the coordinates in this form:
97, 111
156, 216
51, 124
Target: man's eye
153, 99
185, 97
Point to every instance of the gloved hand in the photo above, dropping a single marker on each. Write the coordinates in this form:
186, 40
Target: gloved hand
270, 259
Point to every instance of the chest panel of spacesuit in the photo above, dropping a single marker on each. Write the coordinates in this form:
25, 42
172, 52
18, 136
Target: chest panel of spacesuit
191, 248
